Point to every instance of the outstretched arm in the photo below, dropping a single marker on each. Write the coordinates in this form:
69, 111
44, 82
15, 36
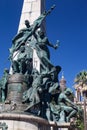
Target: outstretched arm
51, 45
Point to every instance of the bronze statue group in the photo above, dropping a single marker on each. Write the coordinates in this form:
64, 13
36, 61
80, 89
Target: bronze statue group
44, 97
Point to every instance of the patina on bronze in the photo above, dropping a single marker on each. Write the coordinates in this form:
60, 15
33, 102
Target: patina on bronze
28, 90
17, 84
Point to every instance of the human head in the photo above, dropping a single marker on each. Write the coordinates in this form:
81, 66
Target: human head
68, 91
41, 33
22, 48
6, 72
58, 68
27, 23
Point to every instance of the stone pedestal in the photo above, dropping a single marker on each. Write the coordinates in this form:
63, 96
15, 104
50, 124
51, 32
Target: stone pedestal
12, 115
29, 122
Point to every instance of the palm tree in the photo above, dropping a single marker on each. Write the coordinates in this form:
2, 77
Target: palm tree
81, 81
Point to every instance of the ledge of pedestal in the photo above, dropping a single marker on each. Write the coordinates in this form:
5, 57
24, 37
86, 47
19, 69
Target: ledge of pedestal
20, 121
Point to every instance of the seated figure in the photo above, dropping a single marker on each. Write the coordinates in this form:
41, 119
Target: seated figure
67, 106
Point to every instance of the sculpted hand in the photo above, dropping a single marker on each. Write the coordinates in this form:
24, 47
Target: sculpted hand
57, 44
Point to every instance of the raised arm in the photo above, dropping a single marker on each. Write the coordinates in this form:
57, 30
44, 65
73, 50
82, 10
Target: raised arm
51, 45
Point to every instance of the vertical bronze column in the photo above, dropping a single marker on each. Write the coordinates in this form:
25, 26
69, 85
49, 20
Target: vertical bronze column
16, 86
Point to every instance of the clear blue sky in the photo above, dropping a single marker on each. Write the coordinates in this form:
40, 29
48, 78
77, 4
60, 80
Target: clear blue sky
67, 23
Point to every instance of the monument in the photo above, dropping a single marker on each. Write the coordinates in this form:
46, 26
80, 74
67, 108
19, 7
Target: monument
31, 97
